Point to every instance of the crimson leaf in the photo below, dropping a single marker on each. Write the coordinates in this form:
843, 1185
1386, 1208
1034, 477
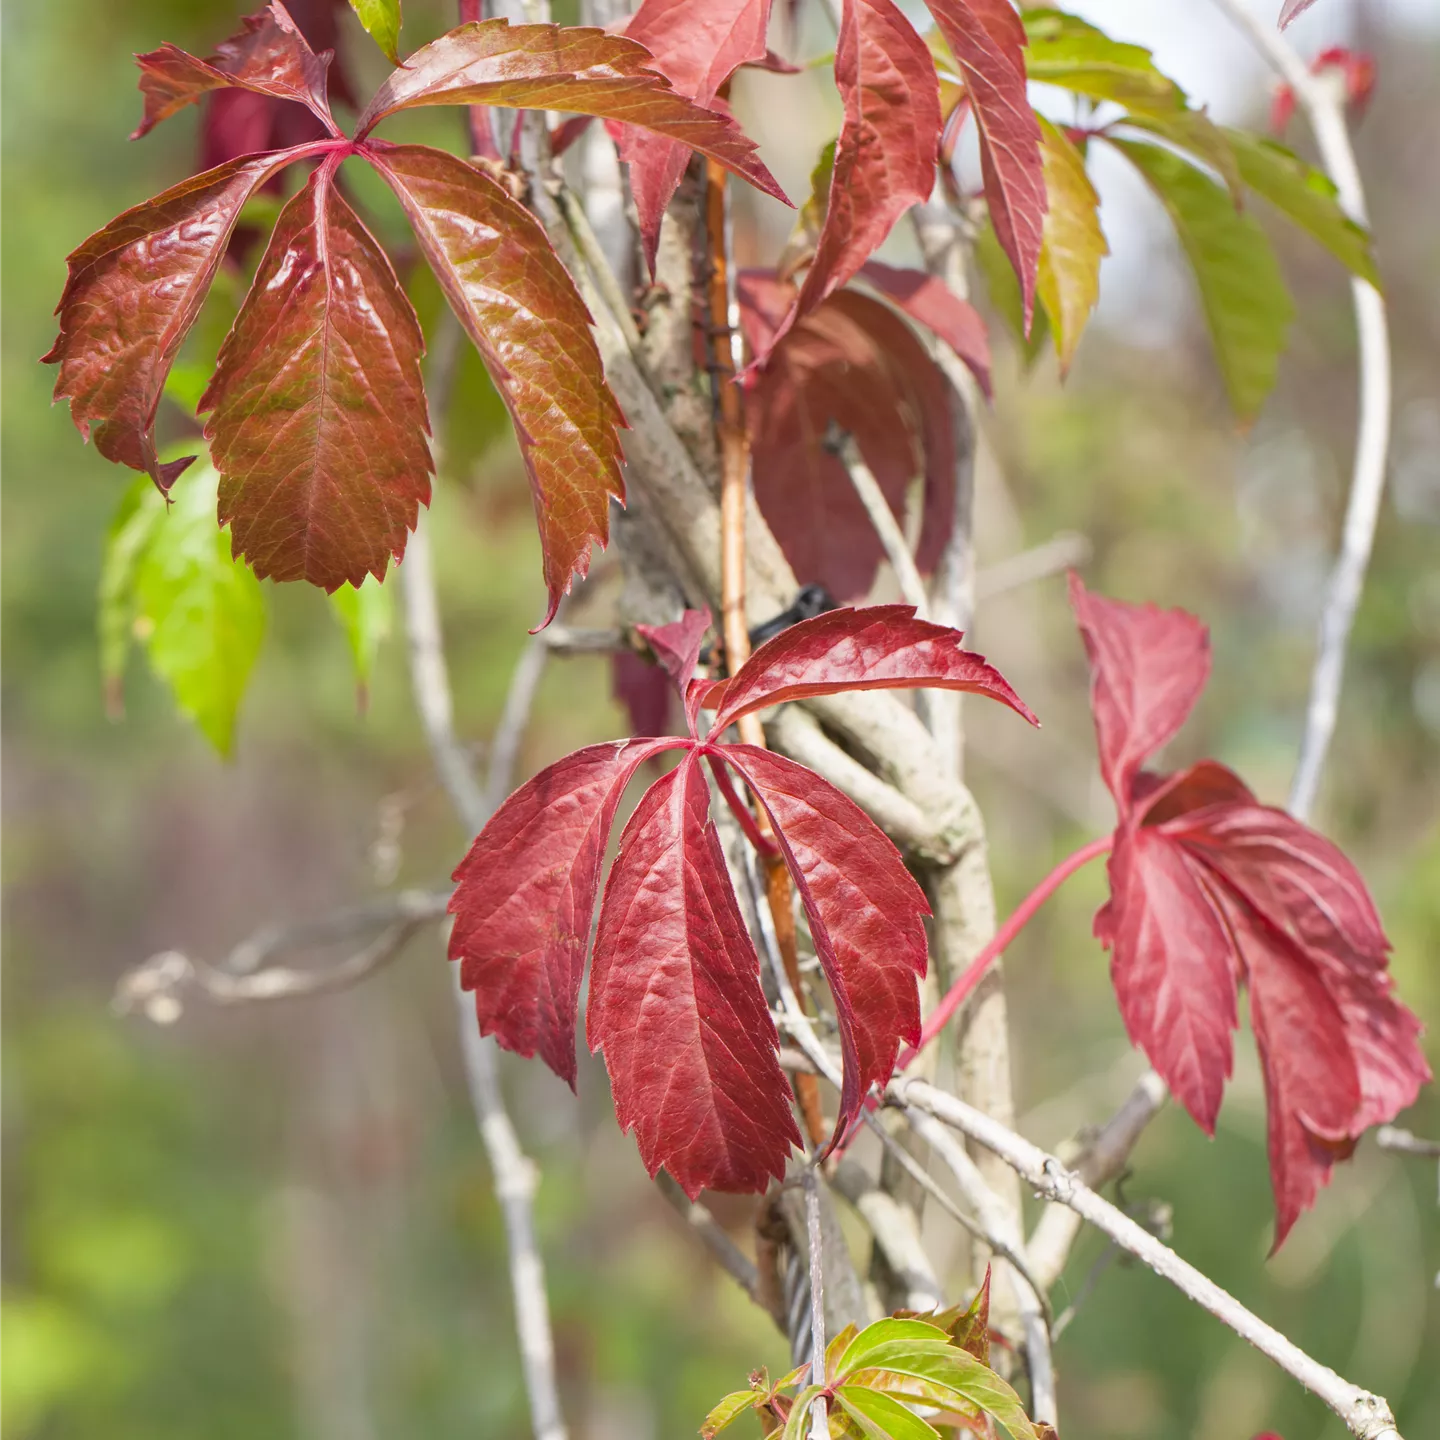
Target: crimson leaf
269, 56
885, 156
675, 999
133, 293
988, 42
319, 417
521, 310
930, 302
1208, 890
697, 48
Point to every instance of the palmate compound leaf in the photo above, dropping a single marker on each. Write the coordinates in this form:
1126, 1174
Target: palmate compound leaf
522, 312
1210, 889
134, 290
885, 155
1242, 291
675, 999
697, 48
169, 584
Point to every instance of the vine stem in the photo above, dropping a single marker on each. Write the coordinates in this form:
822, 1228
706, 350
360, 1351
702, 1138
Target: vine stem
1324, 107
734, 478
819, 1418
956, 995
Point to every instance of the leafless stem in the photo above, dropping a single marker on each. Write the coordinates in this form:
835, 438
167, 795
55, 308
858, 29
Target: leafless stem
698, 1217
1038, 563
1324, 107
893, 1225
1368, 1416
819, 1423
1402, 1142
887, 527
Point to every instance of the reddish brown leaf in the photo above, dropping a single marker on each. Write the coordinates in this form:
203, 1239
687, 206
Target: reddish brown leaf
643, 690
1292, 8
932, 303
133, 293
853, 366
885, 156
677, 647
676, 1003
1209, 889
865, 911
1147, 669
269, 56
988, 42
319, 422
525, 900
521, 310
697, 48
882, 647
572, 68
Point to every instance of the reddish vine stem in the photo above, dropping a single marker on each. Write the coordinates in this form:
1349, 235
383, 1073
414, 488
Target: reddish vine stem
734, 474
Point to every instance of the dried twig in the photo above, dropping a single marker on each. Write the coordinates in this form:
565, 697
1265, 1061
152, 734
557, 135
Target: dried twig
1324, 107
819, 1420
886, 526
1403, 1142
1368, 1416
698, 1217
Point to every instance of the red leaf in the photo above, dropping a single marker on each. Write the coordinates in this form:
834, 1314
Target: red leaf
521, 310
319, 425
988, 42
865, 911
933, 304
1292, 8
269, 55
677, 646
643, 689
572, 68
697, 48
133, 292
1147, 668
526, 899
1208, 889
885, 156
676, 1003
882, 647
851, 364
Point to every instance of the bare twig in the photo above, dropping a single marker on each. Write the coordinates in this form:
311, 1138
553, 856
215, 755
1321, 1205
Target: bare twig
1402, 1142
1061, 552
819, 1422
157, 987
519, 700
1100, 1162
896, 1234
1368, 1416
698, 1217
886, 526
1324, 107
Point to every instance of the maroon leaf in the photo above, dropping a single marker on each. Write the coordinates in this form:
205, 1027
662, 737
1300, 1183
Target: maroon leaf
269, 56
525, 899
865, 911
882, 647
885, 156
1147, 669
851, 365
572, 68
697, 48
643, 690
933, 304
676, 1003
1210, 889
988, 42
521, 310
677, 646
319, 425
133, 292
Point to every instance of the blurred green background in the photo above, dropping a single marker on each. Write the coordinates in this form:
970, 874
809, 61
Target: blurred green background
278, 1222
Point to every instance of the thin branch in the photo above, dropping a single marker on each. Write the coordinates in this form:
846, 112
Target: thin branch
886, 526
896, 1234
1368, 1416
1324, 107
1060, 552
730, 1256
1403, 1142
587, 242
819, 1420
514, 718
1100, 1162
157, 987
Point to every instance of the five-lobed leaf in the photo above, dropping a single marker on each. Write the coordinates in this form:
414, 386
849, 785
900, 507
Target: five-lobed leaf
319, 422
1247, 307
521, 310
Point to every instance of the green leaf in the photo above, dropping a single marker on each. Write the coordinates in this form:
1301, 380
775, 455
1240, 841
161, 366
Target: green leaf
798, 1423
730, 1409
882, 1335
1246, 304
1074, 244
1004, 291
1194, 132
881, 1417
942, 1374
169, 581
1306, 196
367, 617
1066, 51
382, 19
836, 1348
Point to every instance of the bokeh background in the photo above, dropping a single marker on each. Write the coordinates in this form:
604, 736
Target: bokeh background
278, 1222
